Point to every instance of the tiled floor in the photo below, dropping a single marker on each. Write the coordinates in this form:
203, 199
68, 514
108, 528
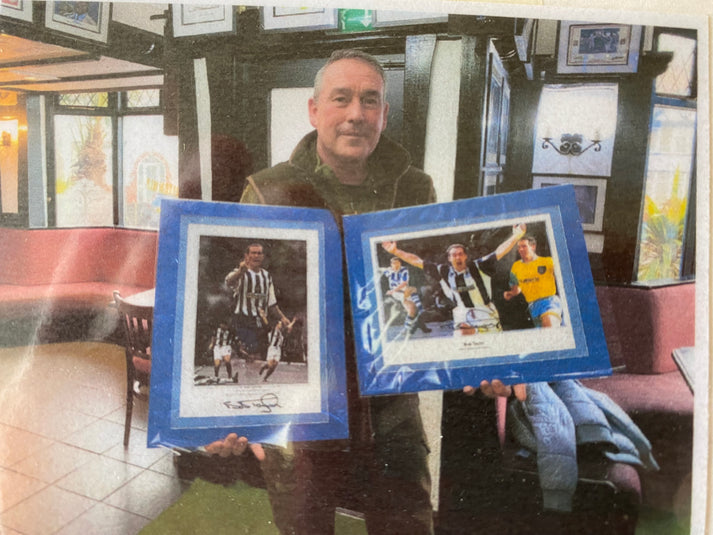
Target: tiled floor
63, 467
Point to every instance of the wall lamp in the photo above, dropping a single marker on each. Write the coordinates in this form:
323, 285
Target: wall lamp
571, 145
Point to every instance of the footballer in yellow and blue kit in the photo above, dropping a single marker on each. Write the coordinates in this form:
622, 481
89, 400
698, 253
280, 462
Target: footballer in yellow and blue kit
536, 280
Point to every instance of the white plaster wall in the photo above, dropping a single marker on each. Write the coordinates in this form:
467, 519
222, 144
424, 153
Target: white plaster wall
442, 119
138, 14
289, 120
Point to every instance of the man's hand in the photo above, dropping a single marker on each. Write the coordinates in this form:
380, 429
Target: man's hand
234, 445
519, 229
496, 389
389, 246
242, 268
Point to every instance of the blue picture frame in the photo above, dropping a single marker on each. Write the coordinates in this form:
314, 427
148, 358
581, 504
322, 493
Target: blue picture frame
187, 407
392, 358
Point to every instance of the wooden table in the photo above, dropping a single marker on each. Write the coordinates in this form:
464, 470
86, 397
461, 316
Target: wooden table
144, 299
685, 359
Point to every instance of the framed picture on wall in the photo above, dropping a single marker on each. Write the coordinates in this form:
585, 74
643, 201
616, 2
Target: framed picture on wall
586, 48
404, 18
589, 192
234, 283
16, 9
298, 18
89, 20
495, 107
504, 125
201, 19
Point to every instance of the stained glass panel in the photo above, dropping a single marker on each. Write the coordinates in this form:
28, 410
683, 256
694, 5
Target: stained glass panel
678, 77
668, 178
83, 179
143, 98
150, 162
84, 100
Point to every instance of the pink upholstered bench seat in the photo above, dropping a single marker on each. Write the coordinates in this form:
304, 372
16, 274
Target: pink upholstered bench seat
18, 301
663, 393
49, 274
643, 325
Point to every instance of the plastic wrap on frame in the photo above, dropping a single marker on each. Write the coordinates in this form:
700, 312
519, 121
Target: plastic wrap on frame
185, 411
443, 349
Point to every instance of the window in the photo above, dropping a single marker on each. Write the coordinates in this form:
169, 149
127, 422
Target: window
84, 100
112, 162
143, 98
679, 77
9, 130
83, 170
150, 163
670, 172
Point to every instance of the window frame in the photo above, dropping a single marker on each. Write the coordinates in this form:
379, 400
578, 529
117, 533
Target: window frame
687, 269
688, 34
117, 108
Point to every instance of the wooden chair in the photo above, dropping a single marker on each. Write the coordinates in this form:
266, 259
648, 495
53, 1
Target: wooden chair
137, 321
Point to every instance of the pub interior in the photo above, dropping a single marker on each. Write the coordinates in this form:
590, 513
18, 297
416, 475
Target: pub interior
106, 108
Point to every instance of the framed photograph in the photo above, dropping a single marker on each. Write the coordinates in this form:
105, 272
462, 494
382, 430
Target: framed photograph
16, 9
405, 18
504, 125
446, 295
248, 325
589, 192
498, 90
495, 95
202, 19
586, 48
89, 20
298, 18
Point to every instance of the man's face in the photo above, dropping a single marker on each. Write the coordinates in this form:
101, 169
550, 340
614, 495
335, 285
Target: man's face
349, 113
254, 257
395, 264
458, 258
526, 250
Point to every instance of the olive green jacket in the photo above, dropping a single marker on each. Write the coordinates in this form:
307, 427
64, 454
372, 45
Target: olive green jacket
304, 181
391, 183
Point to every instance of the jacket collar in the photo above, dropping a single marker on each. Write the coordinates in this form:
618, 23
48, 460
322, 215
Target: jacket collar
386, 164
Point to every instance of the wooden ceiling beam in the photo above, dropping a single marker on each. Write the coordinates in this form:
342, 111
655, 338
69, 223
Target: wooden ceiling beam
85, 78
76, 58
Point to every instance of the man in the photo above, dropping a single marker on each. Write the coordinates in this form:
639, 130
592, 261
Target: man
534, 277
221, 344
274, 349
253, 299
463, 281
347, 166
407, 295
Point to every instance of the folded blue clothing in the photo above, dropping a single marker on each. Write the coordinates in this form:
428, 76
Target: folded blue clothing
556, 418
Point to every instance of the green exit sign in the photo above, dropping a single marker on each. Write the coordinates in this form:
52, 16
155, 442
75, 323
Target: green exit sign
356, 20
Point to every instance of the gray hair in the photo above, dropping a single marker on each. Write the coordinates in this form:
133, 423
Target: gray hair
348, 53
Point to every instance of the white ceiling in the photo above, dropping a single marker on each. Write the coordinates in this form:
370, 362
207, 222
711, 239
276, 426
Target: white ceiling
31, 66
